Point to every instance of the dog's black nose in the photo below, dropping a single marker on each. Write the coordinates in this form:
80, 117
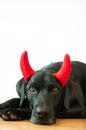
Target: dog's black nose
43, 114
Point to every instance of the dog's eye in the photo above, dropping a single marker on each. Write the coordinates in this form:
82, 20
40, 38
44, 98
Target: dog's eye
32, 89
55, 90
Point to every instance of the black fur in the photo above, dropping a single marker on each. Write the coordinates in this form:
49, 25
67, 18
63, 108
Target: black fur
43, 99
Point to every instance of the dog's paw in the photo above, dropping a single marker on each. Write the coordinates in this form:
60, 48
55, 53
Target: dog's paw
11, 115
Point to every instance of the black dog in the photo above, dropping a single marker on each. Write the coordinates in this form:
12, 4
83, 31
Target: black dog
52, 92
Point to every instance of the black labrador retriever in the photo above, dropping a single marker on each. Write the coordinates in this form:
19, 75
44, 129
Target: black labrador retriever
55, 91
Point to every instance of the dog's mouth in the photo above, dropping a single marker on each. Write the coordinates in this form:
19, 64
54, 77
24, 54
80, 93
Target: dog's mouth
47, 121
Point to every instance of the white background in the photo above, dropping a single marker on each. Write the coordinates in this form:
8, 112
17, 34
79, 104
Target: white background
47, 29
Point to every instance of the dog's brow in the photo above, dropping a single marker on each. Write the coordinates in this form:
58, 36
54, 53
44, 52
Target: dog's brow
51, 85
33, 84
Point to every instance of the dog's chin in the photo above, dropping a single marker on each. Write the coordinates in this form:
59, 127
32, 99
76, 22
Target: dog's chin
48, 121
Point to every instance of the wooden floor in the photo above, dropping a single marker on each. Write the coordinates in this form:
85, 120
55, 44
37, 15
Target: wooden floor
61, 124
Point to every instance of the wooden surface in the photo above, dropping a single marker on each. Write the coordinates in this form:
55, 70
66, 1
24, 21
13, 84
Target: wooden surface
61, 124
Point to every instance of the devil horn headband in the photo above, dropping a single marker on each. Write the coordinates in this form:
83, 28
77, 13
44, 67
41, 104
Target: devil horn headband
26, 68
62, 75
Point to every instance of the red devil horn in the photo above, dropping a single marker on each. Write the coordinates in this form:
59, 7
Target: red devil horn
26, 68
63, 74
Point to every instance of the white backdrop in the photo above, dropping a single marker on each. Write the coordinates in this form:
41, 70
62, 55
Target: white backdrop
47, 29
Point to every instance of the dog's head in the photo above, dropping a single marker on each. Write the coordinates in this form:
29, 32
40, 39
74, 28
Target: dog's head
42, 89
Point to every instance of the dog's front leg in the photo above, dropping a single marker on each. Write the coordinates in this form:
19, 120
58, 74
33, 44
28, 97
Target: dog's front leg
11, 110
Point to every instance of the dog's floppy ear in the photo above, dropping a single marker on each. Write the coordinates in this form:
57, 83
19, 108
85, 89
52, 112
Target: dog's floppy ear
73, 92
20, 87
70, 88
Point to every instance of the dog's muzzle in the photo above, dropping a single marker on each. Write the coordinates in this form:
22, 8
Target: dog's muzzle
42, 115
